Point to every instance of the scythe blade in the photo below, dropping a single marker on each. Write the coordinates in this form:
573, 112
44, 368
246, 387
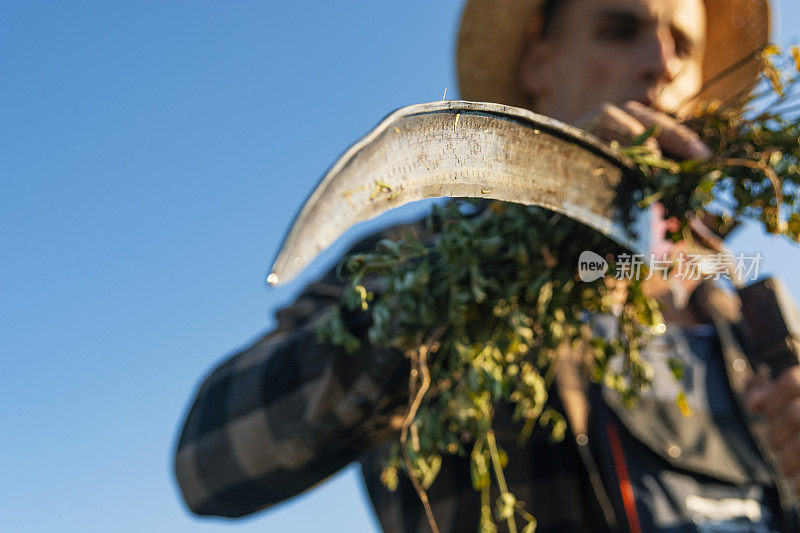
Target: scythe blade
467, 149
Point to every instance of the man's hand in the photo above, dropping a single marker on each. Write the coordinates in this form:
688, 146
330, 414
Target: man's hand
779, 402
626, 122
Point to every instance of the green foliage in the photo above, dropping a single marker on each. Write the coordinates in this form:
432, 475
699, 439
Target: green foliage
501, 289
754, 171
486, 307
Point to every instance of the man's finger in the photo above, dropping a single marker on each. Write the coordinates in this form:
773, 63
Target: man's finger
610, 123
785, 424
674, 138
789, 455
756, 392
794, 479
782, 391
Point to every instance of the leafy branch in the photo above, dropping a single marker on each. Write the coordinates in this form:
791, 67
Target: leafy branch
484, 308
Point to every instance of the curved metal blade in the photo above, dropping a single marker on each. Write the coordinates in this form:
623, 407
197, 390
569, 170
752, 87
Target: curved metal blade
463, 149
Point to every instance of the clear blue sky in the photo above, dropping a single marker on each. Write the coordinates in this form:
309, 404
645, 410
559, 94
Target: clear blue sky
152, 155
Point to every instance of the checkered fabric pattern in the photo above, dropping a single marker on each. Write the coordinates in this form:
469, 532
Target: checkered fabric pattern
287, 412
547, 476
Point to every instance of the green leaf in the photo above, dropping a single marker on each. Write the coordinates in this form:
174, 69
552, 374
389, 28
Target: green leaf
640, 139
676, 367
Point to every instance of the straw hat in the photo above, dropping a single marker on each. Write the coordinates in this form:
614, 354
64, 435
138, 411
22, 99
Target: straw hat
493, 36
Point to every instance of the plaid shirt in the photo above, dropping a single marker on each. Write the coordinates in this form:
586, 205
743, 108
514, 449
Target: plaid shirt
287, 412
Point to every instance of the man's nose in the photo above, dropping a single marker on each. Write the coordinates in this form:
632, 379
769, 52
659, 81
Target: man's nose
660, 62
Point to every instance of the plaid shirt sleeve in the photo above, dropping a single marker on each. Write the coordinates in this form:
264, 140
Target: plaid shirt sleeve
287, 412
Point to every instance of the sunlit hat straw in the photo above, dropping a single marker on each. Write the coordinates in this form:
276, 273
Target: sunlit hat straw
494, 33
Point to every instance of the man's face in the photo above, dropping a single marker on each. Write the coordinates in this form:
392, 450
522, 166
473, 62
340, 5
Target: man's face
613, 51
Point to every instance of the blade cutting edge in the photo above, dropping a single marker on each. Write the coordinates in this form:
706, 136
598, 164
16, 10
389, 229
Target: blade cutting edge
467, 149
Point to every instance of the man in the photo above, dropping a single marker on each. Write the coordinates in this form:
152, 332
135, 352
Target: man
287, 412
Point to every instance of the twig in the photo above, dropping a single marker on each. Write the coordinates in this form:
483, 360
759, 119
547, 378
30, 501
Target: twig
419, 358
730, 69
763, 167
498, 472
790, 109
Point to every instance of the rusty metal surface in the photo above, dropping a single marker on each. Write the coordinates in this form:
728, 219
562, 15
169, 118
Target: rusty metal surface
462, 149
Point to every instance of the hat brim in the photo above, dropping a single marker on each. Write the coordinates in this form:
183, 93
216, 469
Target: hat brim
493, 34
